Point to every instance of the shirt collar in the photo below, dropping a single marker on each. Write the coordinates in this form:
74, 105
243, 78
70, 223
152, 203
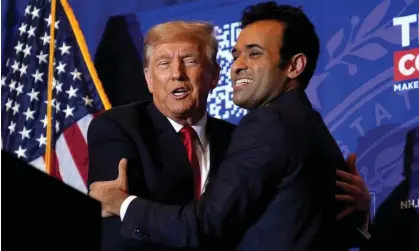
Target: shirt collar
199, 128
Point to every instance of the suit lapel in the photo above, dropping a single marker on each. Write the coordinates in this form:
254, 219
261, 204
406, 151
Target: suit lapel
171, 154
218, 142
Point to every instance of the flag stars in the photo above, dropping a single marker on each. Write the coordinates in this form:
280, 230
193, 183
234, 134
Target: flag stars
16, 108
31, 31
23, 69
52, 102
22, 28
33, 95
49, 21
28, 10
12, 85
18, 47
9, 104
19, 89
25, 133
60, 67
42, 140
76, 74
45, 39
57, 107
56, 24
15, 66
44, 121
3, 81
42, 58
35, 12
65, 49
29, 114
57, 86
69, 111
38, 76
71, 92
87, 101
12, 127
21, 152
27, 51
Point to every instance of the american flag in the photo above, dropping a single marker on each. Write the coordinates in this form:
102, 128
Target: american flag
77, 94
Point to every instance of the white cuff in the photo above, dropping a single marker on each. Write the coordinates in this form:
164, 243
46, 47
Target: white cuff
364, 230
125, 204
364, 233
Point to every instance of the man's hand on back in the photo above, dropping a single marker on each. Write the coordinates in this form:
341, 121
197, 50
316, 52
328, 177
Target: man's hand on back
355, 189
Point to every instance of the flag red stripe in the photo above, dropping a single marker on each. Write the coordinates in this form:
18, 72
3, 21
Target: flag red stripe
78, 149
55, 168
94, 115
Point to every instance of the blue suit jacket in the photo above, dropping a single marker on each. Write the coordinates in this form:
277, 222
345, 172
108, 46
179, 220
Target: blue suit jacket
275, 189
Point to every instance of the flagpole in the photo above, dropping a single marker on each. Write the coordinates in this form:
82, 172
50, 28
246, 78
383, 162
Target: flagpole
49, 91
81, 42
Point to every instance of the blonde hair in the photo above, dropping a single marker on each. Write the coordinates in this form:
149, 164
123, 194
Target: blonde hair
200, 32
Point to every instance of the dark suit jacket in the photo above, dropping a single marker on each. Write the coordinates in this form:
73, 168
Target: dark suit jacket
275, 189
158, 167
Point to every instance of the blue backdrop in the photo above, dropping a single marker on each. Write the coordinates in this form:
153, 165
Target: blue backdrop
353, 87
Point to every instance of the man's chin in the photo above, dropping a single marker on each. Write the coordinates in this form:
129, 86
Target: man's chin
241, 102
181, 109
179, 105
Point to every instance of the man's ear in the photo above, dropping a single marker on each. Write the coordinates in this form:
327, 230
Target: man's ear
148, 79
215, 76
297, 65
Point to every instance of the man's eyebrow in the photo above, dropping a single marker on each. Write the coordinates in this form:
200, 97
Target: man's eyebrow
162, 56
248, 46
190, 54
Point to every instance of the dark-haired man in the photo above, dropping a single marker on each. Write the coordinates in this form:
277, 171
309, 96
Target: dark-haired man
275, 189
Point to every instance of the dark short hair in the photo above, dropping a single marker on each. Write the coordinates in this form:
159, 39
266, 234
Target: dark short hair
299, 35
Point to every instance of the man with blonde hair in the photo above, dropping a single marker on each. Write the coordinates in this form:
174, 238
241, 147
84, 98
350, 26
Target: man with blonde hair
181, 69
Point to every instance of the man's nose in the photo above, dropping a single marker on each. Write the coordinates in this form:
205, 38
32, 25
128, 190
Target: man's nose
239, 65
177, 70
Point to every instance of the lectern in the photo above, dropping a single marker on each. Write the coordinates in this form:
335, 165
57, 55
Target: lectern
40, 212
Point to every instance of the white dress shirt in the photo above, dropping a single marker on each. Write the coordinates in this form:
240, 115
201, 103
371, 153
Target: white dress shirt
202, 153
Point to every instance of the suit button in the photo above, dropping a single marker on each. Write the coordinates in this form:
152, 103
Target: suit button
141, 234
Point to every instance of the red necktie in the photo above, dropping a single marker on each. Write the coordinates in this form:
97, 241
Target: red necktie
189, 135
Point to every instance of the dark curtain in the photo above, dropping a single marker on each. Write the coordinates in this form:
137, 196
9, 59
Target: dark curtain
118, 61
